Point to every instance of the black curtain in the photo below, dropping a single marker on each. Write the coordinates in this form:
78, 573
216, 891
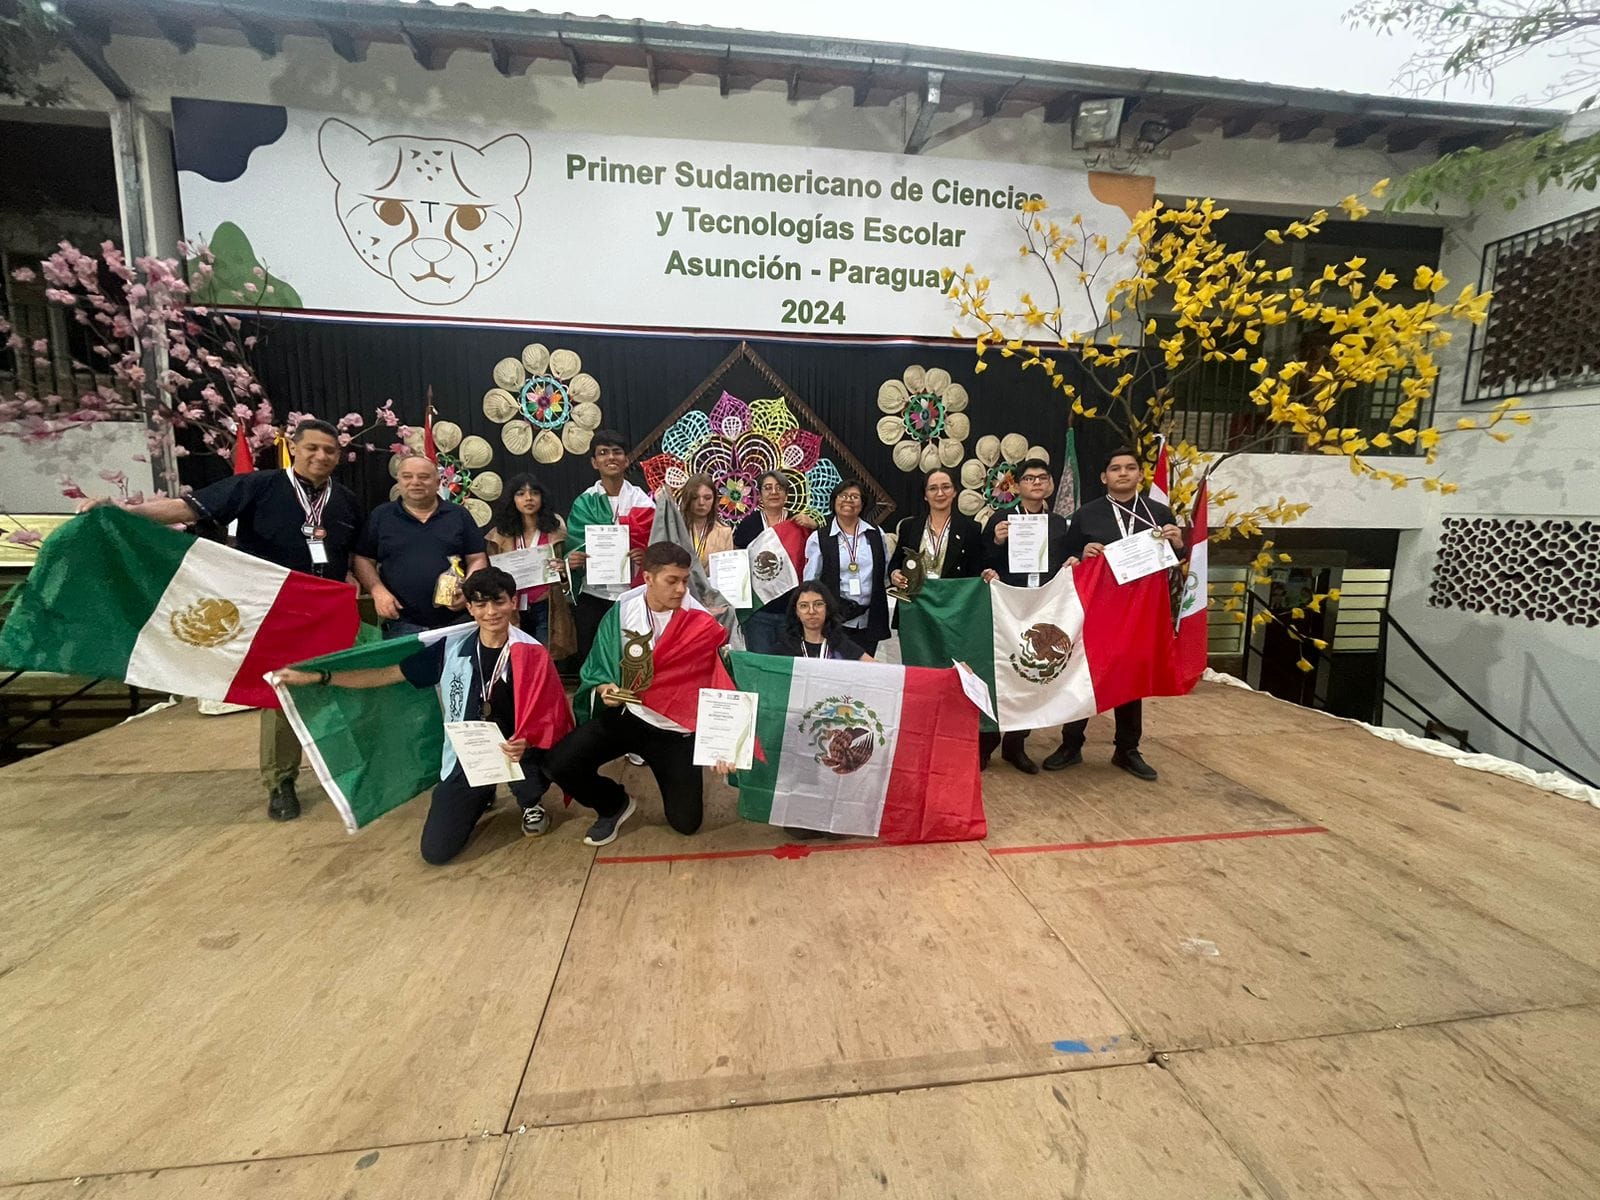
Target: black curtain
330, 368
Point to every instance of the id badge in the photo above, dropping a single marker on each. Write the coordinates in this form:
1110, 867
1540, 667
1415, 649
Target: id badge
318, 551
852, 585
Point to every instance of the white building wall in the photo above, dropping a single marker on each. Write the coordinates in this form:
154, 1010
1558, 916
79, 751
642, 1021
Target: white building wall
1541, 678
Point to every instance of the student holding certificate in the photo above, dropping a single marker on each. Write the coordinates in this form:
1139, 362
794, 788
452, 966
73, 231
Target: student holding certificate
610, 503
849, 557
1025, 548
524, 523
1120, 514
492, 673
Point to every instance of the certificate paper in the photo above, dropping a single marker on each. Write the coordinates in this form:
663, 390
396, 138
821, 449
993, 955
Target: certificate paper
530, 568
477, 746
607, 547
977, 691
1139, 554
725, 728
730, 575
1028, 543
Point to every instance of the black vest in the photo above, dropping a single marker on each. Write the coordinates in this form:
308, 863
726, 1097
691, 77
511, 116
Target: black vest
878, 603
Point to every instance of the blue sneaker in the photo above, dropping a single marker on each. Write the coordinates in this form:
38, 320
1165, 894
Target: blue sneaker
604, 831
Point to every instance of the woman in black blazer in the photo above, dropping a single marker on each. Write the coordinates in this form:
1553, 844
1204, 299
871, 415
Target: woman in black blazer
950, 544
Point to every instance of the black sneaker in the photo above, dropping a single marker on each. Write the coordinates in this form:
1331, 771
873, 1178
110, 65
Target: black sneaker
535, 821
1131, 762
604, 831
1062, 759
282, 803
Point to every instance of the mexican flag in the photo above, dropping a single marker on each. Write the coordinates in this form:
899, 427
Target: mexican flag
373, 749
777, 559
634, 509
116, 596
862, 748
684, 658
1078, 645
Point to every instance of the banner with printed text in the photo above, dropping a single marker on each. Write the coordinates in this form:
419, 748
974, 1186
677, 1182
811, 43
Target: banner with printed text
422, 218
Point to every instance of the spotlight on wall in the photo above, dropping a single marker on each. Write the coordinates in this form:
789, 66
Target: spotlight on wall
1097, 124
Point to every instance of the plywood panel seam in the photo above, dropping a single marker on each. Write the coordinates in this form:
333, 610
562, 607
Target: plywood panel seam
7, 1185
544, 1009
1239, 1152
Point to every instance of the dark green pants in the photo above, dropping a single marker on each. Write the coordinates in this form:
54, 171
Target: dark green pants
280, 750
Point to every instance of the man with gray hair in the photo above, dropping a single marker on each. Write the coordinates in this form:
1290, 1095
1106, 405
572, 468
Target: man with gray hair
408, 543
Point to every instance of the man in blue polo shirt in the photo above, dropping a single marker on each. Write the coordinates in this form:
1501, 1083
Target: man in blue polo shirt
408, 543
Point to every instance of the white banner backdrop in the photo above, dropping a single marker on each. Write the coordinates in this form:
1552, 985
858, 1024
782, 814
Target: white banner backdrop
365, 216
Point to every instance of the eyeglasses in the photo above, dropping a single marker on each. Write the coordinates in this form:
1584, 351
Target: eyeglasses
940, 487
1036, 479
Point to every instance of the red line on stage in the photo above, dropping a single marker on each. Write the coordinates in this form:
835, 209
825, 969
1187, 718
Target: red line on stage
792, 850
1231, 836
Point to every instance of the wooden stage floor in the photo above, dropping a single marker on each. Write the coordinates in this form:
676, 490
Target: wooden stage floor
1307, 963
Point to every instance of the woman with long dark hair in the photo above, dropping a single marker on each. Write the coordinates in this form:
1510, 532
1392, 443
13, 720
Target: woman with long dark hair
813, 630
848, 555
521, 522
949, 544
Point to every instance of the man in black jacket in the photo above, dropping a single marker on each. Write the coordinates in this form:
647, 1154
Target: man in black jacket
1121, 512
1036, 484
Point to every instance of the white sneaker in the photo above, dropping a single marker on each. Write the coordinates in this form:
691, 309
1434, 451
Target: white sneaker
634, 759
535, 821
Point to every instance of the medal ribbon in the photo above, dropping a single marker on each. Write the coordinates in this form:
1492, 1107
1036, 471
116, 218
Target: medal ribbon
1128, 527
487, 682
311, 508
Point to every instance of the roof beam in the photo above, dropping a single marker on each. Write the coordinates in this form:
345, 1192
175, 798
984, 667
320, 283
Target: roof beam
179, 33
991, 104
345, 46
266, 41
501, 54
1408, 137
88, 37
579, 67
1356, 133
931, 88
1240, 124
1298, 130
863, 87
428, 55
794, 83
1462, 141
1061, 109
723, 68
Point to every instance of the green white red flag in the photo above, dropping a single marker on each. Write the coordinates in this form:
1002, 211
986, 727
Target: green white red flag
116, 596
862, 748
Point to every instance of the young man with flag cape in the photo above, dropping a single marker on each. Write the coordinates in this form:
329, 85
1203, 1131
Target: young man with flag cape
487, 671
612, 500
639, 694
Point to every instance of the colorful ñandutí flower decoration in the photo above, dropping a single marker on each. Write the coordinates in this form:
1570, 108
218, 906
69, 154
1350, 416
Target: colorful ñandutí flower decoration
544, 403
925, 419
735, 443
989, 479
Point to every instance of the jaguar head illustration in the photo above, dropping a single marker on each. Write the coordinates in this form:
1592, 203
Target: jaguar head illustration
436, 216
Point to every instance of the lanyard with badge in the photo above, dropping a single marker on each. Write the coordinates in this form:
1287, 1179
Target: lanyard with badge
312, 530
487, 681
1129, 526
852, 577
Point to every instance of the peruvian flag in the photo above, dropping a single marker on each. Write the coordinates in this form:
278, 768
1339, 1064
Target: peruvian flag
1189, 654
1161, 477
684, 658
116, 596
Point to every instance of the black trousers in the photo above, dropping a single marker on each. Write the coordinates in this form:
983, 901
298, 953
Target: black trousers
575, 763
456, 806
869, 645
1130, 728
587, 614
1011, 743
